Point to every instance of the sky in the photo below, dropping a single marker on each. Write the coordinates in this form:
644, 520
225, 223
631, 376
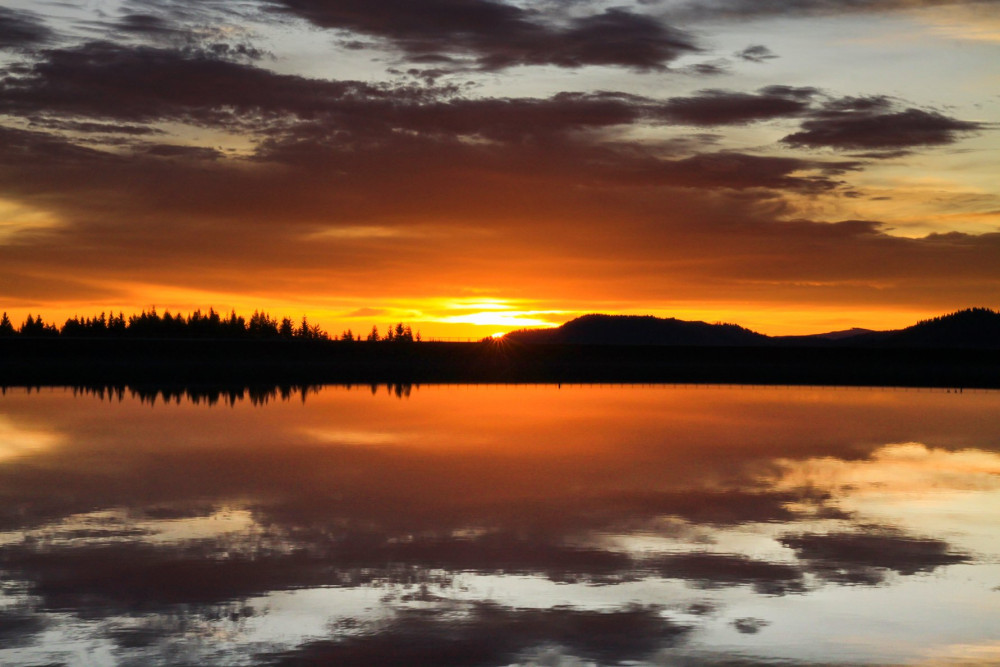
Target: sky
477, 166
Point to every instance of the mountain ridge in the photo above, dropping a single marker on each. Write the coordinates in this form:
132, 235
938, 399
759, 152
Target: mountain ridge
975, 327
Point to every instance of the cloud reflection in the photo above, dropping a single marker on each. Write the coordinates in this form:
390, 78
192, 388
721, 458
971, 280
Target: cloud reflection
468, 530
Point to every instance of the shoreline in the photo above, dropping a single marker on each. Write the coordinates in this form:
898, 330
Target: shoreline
54, 362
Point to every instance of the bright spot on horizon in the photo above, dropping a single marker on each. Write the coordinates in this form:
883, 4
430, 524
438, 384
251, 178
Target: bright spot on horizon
499, 334
502, 319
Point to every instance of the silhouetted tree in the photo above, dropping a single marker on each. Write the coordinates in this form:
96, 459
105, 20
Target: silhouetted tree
37, 327
235, 326
6, 327
262, 326
310, 331
151, 324
116, 325
373, 334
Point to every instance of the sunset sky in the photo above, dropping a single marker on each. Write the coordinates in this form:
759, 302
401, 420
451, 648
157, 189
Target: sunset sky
476, 166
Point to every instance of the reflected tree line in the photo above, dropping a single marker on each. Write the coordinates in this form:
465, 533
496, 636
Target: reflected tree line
151, 324
224, 395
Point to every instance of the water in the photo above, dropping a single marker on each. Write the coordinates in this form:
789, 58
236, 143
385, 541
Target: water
486, 525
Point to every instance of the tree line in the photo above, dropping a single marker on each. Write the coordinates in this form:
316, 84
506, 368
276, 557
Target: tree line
151, 324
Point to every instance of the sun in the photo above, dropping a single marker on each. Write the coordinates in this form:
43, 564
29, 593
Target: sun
499, 334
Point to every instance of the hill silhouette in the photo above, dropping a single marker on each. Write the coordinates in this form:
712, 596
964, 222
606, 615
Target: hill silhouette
841, 335
972, 328
640, 330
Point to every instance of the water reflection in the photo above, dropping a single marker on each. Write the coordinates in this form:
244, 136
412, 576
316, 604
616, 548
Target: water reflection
499, 525
219, 395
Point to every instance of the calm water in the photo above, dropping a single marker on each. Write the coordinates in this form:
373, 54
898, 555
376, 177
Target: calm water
501, 525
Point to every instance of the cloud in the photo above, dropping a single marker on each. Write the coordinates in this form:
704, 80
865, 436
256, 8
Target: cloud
540, 176
864, 557
141, 84
487, 633
864, 129
732, 9
756, 53
724, 212
737, 171
22, 29
712, 570
871, 122
750, 625
496, 35
90, 127
721, 107
19, 627
714, 68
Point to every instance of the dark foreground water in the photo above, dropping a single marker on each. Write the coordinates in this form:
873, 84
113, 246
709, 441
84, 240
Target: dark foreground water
486, 525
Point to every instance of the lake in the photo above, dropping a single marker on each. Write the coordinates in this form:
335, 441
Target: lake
500, 525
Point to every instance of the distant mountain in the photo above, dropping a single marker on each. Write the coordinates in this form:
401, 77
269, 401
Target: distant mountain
846, 337
970, 328
842, 335
640, 330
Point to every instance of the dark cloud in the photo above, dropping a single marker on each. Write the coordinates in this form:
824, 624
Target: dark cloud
20, 627
92, 127
190, 152
210, 27
862, 129
721, 107
496, 35
866, 104
865, 557
170, 20
23, 144
142, 84
750, 625
616, 37
115, 578
711, 570
145, 84
20, 29
710, 9
490, 634
321, 125
148, 25
738, 171
756, 53
845, 123
709, 69
796, 92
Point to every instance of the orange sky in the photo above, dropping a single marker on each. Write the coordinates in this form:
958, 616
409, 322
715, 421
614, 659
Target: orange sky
477, 167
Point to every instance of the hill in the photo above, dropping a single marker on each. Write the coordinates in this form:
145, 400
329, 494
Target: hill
836, 335
972, 328
640, 330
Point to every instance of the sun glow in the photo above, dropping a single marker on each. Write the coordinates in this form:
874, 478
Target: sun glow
505, 319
